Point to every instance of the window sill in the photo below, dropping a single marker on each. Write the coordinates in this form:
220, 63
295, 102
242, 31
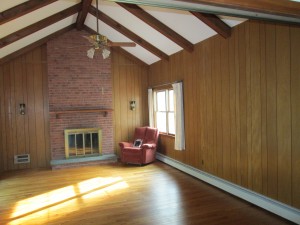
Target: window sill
167, 135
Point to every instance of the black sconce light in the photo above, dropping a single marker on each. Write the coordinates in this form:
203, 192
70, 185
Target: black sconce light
22, 109
132, 105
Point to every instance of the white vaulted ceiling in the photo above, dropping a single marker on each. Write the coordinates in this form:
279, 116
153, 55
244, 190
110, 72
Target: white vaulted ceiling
180, 21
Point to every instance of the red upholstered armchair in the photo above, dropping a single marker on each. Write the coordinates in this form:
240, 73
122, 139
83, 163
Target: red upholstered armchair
146, 152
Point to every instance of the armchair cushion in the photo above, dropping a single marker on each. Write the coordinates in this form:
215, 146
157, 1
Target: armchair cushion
150, 135
149, 145
125, 144
140, 133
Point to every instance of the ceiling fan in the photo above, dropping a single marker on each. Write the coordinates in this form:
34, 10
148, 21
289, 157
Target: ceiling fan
100, 42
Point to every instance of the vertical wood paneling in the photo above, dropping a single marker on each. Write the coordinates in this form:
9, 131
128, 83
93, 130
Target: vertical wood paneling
237, 108
144, 97
272, 160
243, 108
295, 102
10, 126
188, 111
218, 102
283, 113
19, 93
24, 80
130, 82
210, 136
214, 110
124, 105
2, 119
248, 104
232, 111
263, 88
25, 98
198, 143
12, 122
225, 109
116, 100
243, 105
138, 93
39, 106
6, 116
198, 91
256, 109
46, 107
130, 88
31, 111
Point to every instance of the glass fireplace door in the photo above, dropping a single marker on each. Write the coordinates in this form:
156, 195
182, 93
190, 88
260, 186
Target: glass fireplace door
82, 142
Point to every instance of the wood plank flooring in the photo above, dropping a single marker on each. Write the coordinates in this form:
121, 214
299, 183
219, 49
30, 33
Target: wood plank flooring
120, 194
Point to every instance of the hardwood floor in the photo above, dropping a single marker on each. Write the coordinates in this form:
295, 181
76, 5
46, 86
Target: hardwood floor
120, 194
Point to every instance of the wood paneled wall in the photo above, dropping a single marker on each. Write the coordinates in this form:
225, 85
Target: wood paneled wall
24, 80
130, 82
242, 108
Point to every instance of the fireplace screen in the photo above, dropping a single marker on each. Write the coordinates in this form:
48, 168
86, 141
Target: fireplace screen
82, 142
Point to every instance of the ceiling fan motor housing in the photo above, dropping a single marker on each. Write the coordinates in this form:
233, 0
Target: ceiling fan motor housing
99, 39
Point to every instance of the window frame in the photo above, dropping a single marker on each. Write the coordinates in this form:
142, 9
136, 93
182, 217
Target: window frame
167, 90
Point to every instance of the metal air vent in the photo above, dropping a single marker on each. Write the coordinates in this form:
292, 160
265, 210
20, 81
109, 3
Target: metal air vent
24, 158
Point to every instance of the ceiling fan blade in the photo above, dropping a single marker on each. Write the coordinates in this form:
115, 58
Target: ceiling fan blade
122, 44
91, 40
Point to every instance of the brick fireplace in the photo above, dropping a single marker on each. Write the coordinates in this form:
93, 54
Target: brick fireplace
77, 84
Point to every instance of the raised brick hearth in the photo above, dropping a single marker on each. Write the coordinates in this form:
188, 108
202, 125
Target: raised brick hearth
77, 82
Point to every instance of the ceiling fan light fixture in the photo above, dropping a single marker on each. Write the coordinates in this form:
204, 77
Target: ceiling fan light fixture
105, 53
90, 53
100, 42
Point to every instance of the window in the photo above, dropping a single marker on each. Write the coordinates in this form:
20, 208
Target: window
166, 112
164, 117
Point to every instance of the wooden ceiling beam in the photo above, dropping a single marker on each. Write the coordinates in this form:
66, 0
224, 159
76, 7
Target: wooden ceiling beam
36, 44
278, 7
39, 25
157, 25
23, 9
129, 34
83, 13
214, 23
283, 11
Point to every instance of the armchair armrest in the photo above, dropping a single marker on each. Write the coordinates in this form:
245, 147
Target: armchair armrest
125, 144
149, 146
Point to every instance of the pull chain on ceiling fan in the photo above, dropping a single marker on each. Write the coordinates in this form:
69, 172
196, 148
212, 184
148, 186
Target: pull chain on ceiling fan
100, 42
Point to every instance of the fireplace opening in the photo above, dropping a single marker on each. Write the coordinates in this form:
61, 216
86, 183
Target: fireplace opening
83, 142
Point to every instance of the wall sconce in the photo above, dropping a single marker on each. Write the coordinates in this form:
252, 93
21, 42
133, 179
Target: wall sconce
22, 109
132, 105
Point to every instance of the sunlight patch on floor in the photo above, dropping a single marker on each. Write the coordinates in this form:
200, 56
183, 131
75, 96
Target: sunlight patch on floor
48, 206
38, 202
106, 191
91, 184
44, 216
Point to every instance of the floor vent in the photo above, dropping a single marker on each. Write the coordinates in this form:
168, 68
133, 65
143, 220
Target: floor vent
25, 158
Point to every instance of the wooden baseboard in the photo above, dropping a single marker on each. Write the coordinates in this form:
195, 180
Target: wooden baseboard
262, 201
